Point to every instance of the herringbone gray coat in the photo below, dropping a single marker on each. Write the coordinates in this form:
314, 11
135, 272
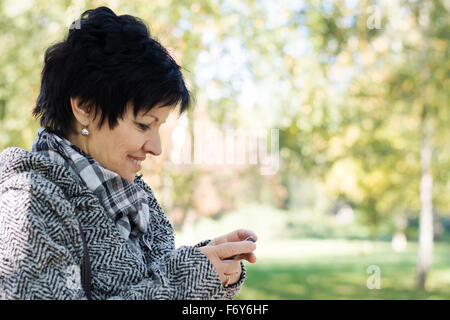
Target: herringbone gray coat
41, 249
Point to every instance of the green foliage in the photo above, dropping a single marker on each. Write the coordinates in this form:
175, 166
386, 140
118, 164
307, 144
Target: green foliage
337, 270
348, 98
363, 141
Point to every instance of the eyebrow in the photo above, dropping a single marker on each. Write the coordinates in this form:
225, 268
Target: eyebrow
150, 115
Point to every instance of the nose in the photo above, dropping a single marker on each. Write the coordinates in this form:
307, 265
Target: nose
153, 145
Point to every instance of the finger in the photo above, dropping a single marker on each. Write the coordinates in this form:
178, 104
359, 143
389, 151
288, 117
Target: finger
230, 279
218, 240
233, 270
229, 249
230, 267
243, 234
229, 237
234, 236
240, 235
250, 257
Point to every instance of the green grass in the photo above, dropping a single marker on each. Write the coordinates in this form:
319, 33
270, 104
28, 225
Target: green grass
336, 269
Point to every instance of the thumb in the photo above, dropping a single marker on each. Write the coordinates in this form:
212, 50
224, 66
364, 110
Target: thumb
228, 249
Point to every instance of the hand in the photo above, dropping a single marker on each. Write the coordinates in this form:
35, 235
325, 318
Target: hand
229, 271
237, 235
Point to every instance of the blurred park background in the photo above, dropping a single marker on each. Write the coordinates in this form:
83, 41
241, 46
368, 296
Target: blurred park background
347, 105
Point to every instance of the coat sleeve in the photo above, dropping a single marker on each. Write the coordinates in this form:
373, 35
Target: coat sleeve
232, 290
183, 273
41, 253
186, 273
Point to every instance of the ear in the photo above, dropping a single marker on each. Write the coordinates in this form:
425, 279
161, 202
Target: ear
81, 112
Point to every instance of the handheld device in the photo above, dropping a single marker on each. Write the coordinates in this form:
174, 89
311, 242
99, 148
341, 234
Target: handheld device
236, 256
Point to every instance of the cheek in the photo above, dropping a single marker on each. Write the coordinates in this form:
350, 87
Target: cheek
129, 145
113, 150
120, 143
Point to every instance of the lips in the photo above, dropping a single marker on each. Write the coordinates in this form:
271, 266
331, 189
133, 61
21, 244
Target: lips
136, 161
137, 158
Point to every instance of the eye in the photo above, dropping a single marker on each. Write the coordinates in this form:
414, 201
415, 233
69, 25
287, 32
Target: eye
142, 126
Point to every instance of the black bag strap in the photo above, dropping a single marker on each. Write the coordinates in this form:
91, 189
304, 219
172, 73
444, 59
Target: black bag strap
85, 266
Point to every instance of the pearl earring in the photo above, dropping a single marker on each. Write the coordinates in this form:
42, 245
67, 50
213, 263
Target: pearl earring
84, 132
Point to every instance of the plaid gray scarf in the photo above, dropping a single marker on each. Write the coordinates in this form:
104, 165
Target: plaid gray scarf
126, 203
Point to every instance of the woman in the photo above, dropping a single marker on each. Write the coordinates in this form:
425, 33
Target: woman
76, 222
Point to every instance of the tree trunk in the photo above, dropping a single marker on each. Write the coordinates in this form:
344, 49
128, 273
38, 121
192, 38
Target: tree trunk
426, 212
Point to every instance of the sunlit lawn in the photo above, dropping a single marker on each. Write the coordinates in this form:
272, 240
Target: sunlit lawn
337, 269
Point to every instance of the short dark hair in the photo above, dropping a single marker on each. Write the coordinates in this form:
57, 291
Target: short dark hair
107, 61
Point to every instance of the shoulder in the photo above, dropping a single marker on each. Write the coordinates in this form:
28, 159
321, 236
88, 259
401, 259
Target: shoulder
29, 172
35, 208
31, 183
26, 166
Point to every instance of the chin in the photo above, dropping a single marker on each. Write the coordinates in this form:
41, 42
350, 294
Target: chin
127, 176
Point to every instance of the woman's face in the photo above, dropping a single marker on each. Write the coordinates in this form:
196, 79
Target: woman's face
123, 148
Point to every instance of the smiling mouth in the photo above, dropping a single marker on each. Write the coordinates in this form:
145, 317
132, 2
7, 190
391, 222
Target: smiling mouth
137, 163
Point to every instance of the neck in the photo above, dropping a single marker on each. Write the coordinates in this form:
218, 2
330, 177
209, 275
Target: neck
77, 139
